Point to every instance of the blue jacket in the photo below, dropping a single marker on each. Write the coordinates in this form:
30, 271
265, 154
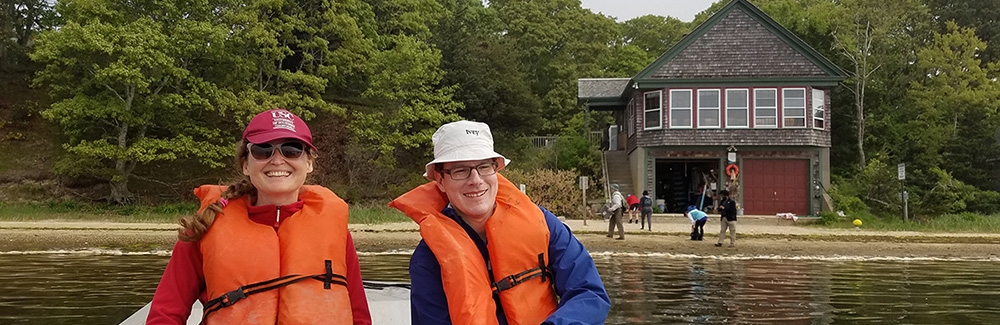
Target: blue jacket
582, 298
696, 215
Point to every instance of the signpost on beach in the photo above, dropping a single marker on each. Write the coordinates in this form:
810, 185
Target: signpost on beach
584, 184
901, 174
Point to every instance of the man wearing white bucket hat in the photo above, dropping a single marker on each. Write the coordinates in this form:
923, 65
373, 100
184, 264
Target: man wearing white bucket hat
488, 252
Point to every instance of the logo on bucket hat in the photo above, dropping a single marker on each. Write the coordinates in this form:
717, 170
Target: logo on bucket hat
463, 141
276, 124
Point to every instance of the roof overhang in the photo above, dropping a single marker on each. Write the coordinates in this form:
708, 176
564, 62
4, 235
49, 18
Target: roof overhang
656, 83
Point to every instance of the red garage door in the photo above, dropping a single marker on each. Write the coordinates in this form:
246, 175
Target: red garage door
773, 186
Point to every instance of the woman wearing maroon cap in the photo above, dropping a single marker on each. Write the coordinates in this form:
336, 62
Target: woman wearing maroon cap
267, 249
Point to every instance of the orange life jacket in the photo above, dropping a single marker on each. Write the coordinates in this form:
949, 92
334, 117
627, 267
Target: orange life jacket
239, 254
517, 240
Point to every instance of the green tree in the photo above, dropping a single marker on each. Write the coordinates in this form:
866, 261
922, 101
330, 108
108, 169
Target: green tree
138, 82
122, 96
490, 79
975, 14
876, 38
20, 21
653, 34
956, 101
626, 61
407, 101
559, 42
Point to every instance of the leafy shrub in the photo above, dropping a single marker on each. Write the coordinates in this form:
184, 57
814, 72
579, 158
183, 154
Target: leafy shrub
948, 195
554, 190
845, 196
985, 202
828, 218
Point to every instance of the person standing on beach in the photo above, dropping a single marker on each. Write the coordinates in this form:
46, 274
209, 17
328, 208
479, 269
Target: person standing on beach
646, 204
267, 249
488, 255
727, 207
633, 208
698, 219
616, 208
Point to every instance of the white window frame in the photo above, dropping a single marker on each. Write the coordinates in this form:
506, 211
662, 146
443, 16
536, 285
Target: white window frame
658, 110
717, 109
745, 109
756, 108
785, 107
819, 109
689, 108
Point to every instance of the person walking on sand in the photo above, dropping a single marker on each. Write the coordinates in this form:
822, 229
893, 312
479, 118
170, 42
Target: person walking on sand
698, 219
727, 207
487, 254
633, 208
616, 208
266, 236
646, 206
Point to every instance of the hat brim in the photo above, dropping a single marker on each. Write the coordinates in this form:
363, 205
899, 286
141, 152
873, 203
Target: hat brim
265, 137
465, 156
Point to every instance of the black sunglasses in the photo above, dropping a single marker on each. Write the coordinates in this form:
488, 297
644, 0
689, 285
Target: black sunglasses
289, 150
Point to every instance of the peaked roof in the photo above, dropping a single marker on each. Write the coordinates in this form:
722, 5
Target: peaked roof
734, 46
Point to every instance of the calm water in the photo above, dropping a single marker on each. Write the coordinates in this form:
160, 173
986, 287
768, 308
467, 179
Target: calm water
104, 288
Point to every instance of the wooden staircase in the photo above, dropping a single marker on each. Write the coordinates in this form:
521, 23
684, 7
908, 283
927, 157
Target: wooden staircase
619, 171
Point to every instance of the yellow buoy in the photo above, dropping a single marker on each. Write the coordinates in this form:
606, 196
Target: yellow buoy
857, 222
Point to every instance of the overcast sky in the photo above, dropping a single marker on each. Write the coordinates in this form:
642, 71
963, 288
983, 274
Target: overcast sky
627, 9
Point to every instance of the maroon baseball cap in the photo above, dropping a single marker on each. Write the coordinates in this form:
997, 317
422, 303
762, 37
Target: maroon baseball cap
276, 124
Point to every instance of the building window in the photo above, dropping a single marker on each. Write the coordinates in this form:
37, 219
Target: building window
737, 108
819, 109
680, 108
631, 117
765, 108
708, 108
793, 104
653, 110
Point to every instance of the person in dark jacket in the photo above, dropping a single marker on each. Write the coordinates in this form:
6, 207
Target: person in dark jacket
477, 261
727, 207
646, 206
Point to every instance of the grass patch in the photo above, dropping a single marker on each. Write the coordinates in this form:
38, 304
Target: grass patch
956, 223
375, 214
164, 213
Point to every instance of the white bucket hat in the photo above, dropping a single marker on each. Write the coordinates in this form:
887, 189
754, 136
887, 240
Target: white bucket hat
463, 141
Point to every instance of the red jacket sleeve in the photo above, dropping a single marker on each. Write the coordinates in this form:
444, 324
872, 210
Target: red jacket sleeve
355, 288
182, 283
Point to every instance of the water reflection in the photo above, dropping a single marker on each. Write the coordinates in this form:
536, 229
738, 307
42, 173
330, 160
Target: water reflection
659, 290
645, 288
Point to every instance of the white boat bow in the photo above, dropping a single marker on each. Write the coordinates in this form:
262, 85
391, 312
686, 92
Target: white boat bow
389, 303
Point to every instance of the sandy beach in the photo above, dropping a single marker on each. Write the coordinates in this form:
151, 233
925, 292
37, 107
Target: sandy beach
757, 236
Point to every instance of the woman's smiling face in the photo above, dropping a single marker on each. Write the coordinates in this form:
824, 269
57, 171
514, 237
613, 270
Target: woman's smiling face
277, 178
474, 197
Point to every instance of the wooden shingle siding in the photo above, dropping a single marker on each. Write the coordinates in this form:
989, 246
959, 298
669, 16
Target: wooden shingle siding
735, 137
738, 46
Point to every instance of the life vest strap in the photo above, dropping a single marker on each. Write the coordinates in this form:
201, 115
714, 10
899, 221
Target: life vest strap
229, 298
510, 281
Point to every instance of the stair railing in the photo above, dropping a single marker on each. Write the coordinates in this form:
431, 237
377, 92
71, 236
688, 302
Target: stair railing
604, 170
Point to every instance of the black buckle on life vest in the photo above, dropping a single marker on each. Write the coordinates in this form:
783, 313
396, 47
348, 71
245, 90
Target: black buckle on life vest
513, 280
328, 276
506, 283
232, 297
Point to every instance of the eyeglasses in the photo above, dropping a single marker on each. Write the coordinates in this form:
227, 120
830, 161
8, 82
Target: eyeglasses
289, 150
461, 173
